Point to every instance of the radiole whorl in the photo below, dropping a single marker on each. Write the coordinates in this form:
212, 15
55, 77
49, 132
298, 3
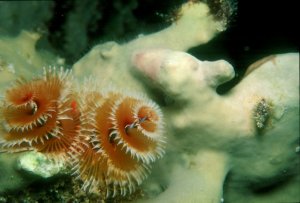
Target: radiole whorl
38, 114
123, 131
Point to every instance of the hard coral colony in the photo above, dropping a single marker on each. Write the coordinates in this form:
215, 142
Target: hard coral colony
108, 138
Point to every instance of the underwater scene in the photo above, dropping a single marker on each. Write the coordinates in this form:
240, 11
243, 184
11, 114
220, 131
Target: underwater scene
147, 101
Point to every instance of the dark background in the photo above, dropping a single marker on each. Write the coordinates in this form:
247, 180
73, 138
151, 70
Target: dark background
257, 28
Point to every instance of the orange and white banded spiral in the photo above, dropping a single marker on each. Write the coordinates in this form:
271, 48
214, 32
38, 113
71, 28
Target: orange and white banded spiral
38, 114
123, 132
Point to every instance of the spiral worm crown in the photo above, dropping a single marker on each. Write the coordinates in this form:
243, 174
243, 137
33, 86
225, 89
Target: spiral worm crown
123, 132
38, 114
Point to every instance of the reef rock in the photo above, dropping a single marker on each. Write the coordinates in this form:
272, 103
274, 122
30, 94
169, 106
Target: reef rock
18, 170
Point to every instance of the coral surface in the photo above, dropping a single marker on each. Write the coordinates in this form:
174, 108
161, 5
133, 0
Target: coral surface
255, 125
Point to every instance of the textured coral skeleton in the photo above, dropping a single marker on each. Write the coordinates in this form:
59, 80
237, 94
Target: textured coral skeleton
109, 138
261, 113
